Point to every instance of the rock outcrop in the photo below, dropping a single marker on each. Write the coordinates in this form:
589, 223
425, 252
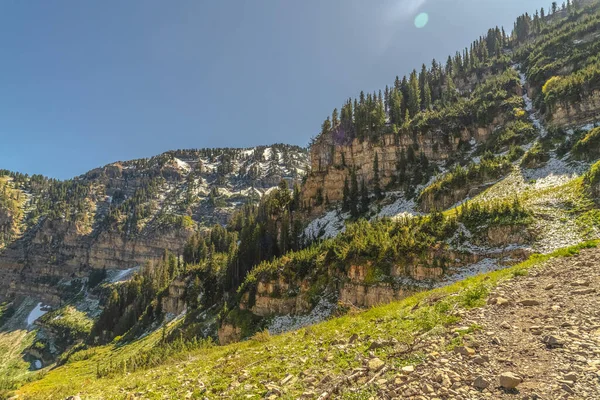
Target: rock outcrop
583, 112
333, 155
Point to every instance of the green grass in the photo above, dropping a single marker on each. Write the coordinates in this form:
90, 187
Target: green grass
270, 358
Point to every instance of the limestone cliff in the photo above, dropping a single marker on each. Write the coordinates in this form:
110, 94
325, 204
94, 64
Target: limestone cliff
332, 157
121, 215
586, 111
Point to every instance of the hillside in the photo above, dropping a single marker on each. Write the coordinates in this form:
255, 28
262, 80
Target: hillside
428, 195
450, 342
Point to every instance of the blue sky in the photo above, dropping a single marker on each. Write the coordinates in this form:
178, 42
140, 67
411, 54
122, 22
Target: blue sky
86, 83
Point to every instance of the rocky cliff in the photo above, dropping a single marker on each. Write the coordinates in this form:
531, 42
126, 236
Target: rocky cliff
583, 112
126, 213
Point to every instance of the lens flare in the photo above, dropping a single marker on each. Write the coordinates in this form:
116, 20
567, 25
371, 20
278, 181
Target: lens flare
421, 20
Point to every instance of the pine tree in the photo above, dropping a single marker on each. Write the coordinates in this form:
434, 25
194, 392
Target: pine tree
554, 7
427, 102
364, 197
376, 182
346, 197
353, 194
326, 127
414, 94
334, 118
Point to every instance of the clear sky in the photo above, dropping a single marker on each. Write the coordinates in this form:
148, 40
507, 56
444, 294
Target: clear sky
86, 83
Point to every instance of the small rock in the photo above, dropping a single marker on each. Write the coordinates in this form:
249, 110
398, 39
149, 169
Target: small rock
505, 325
571, 376
567, 388
286, 380
508, 380
481, 383
375, 364
529, 302
408, 369
501, 301
353, 338
427, 388
465, 351
580, 283
583, 291
552, 341
549, 286
480, 360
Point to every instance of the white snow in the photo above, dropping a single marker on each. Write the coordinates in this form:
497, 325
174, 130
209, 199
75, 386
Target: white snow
123, 275
183, 165
585, 128
329, 225
481, 267
399, 208
287, 323
267, 153
36, 313
37, 364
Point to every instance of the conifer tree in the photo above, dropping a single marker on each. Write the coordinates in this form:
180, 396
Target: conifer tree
414, 95
326, 127
346, 196
353, 194
427, 101
364, 197
334, 118
376, 182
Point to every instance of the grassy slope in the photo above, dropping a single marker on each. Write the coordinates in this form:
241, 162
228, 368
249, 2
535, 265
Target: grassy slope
267, 359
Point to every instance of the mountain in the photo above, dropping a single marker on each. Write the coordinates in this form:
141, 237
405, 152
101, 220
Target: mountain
430, 194
125, 213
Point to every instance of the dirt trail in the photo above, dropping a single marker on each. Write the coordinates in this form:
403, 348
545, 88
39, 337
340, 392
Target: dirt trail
542, 331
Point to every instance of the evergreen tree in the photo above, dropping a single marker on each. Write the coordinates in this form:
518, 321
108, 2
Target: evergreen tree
427, 101
364, 198
326, 127
354, 211
346, 196
376, 182
414, 95
334, 118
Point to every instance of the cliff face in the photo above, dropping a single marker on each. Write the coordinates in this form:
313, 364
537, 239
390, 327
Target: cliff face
332, 157
121, 215
583, 112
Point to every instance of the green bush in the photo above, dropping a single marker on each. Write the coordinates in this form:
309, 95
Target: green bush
588, 148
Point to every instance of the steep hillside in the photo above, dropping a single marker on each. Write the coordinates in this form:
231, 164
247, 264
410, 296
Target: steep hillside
455, 342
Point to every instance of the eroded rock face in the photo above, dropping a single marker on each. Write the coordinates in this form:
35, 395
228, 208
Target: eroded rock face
333, 154
583, 112
59, 250
174, 302
499, 236
274, 298
361, 295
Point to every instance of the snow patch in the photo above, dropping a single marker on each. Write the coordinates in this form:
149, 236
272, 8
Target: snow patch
183, 165
36, 313
327, 226
37, 364
123, 275
481, 267
399, 208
